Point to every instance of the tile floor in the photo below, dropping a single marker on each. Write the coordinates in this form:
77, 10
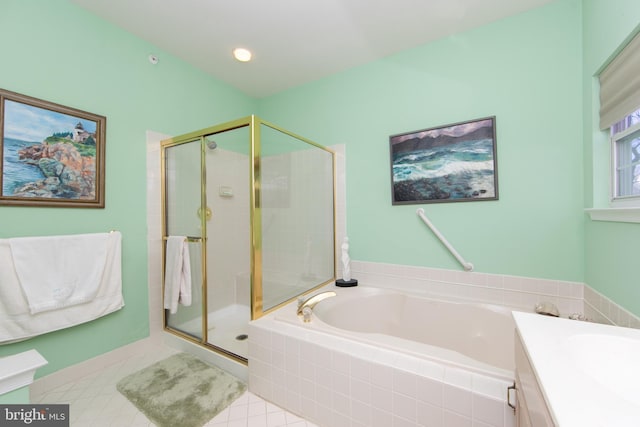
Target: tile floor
95, 402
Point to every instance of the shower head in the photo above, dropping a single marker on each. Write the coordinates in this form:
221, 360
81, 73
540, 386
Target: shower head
211, 144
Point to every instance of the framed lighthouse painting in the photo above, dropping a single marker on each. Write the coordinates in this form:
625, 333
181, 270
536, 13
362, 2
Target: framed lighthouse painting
50, 154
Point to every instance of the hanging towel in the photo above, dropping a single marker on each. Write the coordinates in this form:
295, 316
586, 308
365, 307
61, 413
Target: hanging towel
16, 321
177, 276
59, 271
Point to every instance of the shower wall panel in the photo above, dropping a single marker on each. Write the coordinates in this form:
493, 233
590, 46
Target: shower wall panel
228, 230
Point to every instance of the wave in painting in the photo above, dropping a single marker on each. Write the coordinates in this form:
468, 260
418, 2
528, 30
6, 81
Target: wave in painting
454, 171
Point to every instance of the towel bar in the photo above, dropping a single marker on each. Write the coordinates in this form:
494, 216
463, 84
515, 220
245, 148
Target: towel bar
190, 239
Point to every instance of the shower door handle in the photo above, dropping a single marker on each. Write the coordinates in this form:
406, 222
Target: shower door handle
208, 213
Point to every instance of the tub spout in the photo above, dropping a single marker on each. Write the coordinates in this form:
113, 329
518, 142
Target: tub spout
311, 302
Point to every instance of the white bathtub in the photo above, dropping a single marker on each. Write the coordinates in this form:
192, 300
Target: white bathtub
372, 356
478, 337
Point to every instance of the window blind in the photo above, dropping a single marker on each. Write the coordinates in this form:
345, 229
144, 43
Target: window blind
620, 85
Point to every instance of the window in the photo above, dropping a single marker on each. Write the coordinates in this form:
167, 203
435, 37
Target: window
625, 158
620, 114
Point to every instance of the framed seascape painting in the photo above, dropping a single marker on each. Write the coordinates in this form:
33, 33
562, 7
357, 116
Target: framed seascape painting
50, 155
451, 163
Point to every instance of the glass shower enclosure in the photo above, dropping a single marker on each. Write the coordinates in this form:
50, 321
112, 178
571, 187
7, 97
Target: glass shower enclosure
255, 205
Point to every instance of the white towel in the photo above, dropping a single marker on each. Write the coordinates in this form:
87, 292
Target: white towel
59, 271
177, 276
16, 321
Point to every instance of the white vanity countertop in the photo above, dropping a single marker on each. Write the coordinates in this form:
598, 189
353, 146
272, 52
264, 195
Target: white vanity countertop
589, 373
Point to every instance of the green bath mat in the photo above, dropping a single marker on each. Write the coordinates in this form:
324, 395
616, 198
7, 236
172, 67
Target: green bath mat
181, 391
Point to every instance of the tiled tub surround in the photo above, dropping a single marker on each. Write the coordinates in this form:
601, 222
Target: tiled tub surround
517, 292
601, 309
337, 382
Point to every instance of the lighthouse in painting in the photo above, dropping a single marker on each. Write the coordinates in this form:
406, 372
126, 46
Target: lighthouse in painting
79, 134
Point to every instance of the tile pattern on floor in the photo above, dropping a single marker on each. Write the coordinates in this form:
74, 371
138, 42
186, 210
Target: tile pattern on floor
250, 410
95, 402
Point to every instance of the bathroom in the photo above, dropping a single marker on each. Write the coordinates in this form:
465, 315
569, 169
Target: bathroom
533, 71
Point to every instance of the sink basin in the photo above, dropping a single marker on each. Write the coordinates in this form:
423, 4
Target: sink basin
612, 361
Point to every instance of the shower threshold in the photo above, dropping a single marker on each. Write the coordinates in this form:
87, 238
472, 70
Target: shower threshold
228, 328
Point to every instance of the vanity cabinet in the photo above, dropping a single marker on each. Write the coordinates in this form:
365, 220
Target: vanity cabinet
531, 408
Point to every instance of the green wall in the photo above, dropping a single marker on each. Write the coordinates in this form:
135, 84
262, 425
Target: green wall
526, 71
532, 71
611, 255
15, 397
56, 51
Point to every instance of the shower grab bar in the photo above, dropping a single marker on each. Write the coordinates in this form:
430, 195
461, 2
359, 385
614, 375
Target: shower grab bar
466, 265
189, 239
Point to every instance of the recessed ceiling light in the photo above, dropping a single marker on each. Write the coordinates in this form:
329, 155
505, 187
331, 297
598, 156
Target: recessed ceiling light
241, 54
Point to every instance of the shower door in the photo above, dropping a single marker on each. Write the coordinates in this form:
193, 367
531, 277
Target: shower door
207, 200
183, 201
256, 205
227, 160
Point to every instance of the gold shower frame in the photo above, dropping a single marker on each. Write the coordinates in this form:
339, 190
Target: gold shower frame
257, 311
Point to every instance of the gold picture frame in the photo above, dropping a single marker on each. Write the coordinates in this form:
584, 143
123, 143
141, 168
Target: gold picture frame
50, 154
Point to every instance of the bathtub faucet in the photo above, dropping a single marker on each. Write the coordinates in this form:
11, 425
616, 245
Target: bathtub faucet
305, 306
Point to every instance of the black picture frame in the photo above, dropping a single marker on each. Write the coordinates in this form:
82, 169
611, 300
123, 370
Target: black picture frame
451, 163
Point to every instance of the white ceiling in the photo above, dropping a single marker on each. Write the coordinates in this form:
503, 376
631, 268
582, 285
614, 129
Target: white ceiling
294, 41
